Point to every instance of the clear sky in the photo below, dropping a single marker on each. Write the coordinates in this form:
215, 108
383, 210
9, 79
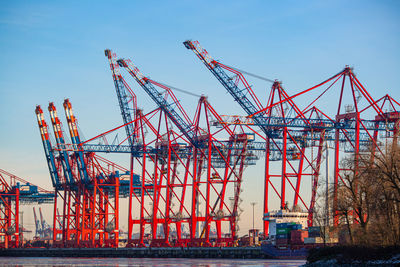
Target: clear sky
51, 50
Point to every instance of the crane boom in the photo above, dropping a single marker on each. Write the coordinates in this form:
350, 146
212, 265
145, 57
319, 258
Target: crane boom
73, 129
44, 133
55, 121
123, 99
237, 93
37, 226
184, 124
41, 219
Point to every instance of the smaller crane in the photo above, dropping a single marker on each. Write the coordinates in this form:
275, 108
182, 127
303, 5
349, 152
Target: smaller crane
38, 227
45, 227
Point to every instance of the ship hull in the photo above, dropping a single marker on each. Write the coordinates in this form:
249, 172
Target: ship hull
285, 253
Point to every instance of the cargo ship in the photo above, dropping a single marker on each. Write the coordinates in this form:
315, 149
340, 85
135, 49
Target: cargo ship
290, 238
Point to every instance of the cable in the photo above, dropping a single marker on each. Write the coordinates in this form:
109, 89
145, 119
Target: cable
251, 74
177, 89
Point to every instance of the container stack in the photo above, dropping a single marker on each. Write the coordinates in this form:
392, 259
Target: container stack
313, 240
314, 231
283, 233
297, 236
314, 235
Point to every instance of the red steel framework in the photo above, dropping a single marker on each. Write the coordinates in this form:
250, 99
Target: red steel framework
86, 191
291, 131
191, 169
15, 191
9, 215
285, 142
194, 173
358, 120
189, 191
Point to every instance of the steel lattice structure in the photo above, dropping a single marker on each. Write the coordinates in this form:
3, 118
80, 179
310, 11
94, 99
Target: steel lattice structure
193, 167
15, 191
87, 187
186, 172
293, 130
9, 217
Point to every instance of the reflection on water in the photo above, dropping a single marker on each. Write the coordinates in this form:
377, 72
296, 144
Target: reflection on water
9, 261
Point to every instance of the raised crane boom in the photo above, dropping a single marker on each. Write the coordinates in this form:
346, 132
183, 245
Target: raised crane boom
58, 132
237, 93
73, 130
257, 114
44, 133
42, 222
37, 225
123, 99
184, 124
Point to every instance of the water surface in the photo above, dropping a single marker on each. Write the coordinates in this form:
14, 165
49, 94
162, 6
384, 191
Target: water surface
44, 261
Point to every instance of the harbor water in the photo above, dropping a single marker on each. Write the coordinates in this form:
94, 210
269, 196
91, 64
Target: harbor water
44, 261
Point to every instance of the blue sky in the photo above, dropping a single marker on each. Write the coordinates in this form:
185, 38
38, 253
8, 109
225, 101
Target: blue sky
51, 50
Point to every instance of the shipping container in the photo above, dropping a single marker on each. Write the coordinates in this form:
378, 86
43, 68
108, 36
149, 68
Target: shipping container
290, 225
314, 229
283, 231
281, 225
297, 227
313, 240
282, 236
298, 234
309, 240
314, 234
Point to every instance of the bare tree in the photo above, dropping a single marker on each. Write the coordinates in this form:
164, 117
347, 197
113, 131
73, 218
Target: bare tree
369, 197
386, 170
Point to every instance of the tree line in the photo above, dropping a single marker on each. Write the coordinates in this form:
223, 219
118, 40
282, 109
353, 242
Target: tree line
368, 197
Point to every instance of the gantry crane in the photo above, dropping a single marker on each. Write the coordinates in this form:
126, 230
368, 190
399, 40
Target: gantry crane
42, 228
200, 140
38, 227
9, 217
124, 95
87, 187
15, 191
188, 174
273, 123
342, 129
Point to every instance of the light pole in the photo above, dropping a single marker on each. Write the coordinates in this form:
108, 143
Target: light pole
253, 204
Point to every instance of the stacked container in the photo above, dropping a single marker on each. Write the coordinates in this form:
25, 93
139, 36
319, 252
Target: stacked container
297, 236
313, 240
314, 231
283, 233
314, 235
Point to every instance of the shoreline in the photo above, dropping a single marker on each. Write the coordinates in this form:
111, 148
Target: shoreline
353, 255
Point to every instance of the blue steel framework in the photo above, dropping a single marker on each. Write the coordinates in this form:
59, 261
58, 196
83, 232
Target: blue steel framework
87, 187
172, 163
279, 120
15, 191
204, 152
